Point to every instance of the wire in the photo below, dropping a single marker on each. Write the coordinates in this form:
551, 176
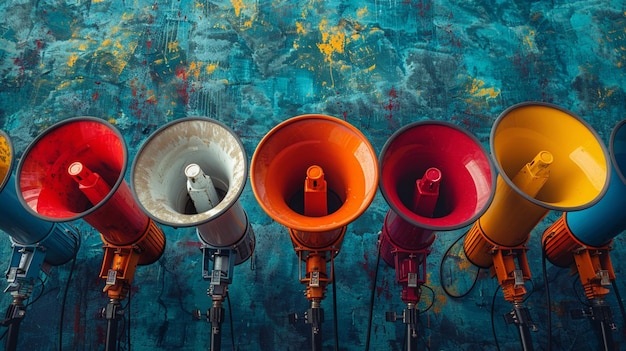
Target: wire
443, 286
230, 317
129, 319
43, 288
493, 324
67, 287
620, 303
548, 299
432, 300
334, 282
372, 296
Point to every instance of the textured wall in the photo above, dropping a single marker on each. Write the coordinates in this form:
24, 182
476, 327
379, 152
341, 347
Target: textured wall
251, 64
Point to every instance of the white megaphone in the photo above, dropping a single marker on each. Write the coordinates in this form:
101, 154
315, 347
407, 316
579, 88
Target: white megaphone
191, 173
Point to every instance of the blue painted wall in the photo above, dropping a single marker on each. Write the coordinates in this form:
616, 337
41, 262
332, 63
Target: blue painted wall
251, 64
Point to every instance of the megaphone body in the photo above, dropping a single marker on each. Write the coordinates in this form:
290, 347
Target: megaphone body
60, 242
548, 159
160, 181
595, 226
435, 176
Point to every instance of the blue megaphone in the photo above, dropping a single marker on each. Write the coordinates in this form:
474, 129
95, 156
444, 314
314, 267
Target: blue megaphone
58, 241
597, 225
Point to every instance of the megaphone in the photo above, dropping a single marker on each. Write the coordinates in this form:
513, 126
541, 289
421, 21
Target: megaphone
547, 159
37, 244
314, 174
195, 148
75, 169
435, 176
582, 239
595, 226
191, 172
59, 241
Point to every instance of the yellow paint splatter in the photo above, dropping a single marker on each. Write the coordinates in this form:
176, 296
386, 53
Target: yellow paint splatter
300, 29
72, 60
477, 89
172, 46
210, 68
238, 6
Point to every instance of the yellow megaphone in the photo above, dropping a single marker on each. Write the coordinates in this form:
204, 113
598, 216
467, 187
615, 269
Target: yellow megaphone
547, 159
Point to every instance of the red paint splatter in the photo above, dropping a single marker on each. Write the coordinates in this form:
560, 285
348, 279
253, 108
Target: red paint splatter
94, 96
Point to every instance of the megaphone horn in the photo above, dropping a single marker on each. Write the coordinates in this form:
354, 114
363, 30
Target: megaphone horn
547, 159
435, 176
303, 155
75, 169
191, 172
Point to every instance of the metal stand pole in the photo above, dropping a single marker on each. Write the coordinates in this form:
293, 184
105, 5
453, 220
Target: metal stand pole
112, 313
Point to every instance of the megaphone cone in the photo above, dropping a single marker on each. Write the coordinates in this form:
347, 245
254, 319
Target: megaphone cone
75, 169
59, 242
597, 225
338, 152
205, 150
435, 176
548, 159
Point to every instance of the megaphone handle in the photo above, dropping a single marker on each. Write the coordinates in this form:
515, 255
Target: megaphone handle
595, 270
511, 276
118, 269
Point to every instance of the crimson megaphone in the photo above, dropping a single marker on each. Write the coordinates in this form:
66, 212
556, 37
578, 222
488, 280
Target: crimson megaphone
191, 172
314, 174
37, 244
548, 159
75, 169
435, 176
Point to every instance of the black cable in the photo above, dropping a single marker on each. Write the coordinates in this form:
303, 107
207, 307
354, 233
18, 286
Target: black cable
493, 324
548, 298
43, 288
334, 282
443, 286
432, 300
128, 323
230, 316
372, 296
620, 303
67, 288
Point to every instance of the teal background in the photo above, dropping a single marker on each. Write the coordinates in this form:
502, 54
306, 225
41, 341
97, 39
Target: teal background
378, 65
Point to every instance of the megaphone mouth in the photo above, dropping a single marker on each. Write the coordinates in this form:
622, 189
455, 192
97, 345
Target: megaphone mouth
6, 159
158, 176
580, 159
617, 145
445, 152
48, 190
280, 163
